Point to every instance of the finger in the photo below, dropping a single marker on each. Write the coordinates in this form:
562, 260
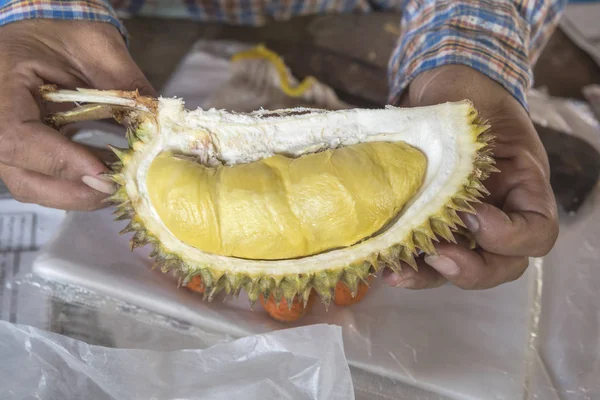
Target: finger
518, 169
29, 75
528, 206
469, 269
425, 278
531, 231
500, 184
31, 187
27, 143
36, 147
107, 156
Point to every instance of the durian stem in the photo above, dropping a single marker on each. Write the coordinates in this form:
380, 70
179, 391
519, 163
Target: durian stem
131, 99
90, 112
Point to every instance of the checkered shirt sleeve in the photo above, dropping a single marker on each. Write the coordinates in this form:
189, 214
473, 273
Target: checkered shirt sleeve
88, 10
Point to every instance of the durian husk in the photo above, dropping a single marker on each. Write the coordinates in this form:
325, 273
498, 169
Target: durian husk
139, 113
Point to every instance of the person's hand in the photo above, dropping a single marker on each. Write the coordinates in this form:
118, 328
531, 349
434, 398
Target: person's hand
519, 219
38, 164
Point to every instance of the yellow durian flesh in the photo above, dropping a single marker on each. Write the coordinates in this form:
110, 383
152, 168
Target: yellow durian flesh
283, 207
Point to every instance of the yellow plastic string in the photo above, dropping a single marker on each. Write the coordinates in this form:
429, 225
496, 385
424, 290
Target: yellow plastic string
261, 51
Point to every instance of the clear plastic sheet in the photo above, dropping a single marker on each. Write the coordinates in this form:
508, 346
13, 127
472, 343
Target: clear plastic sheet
305, 363
569, 337
416, 337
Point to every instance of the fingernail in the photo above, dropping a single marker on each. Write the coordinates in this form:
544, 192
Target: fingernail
443, 265
396, 279
471, 222
99, 183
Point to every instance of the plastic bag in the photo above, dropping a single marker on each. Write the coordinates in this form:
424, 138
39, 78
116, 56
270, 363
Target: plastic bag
299, 363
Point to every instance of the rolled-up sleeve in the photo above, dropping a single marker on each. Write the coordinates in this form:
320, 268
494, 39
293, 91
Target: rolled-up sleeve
501, 39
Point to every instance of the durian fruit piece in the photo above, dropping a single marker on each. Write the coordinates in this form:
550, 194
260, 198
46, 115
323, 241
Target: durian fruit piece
281, 203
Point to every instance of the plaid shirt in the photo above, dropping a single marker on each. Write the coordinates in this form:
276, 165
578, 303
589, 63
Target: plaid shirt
501, 39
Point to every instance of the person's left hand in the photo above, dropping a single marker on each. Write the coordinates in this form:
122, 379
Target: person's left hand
519, 218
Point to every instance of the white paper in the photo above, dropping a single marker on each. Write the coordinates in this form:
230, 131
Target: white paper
301, 364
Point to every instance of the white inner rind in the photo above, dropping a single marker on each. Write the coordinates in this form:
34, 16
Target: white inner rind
442, 132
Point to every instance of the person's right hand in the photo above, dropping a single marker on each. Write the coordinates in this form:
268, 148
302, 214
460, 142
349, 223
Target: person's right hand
39, 164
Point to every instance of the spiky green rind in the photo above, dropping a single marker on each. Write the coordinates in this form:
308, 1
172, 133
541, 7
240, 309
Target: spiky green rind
140, 116
444, 224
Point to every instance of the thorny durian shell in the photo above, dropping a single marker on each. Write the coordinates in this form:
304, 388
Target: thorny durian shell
451, 136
